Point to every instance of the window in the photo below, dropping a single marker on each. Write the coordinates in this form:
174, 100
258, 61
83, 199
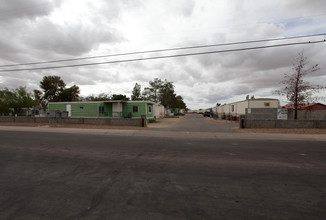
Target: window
134, 108
150, 109
267, 104
232, 108
81, 107
101, 109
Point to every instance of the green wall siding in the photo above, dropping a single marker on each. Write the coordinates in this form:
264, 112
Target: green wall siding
84, 110
107, 110
56, 106
127, 110
142, 109
92, 109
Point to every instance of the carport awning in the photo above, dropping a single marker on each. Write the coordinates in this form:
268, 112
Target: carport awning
114, 101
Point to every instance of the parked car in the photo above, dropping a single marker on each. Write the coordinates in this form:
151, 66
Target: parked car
207, 114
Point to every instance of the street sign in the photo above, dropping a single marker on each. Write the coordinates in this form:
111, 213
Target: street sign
282, 114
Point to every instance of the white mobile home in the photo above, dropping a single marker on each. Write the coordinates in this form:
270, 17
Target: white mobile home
236, 109
158, 111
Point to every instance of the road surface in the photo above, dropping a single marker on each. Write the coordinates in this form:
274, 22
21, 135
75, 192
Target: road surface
157, 175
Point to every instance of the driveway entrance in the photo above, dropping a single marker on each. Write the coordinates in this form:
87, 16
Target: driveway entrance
198, 123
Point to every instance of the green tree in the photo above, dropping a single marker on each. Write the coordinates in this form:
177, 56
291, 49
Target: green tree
152, 93
136, 92
6, 97
180, 103
17, 99
119, 97
52, 87
296, 89
100, 97
167, 96
163, 92
69, 94
39, 102
24, 98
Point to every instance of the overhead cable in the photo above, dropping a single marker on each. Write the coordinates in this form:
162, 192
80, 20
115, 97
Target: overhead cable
162, 57
163, 50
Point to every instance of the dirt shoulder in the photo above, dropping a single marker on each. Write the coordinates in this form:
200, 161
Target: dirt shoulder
272, 130
86, 126
159, 123
23, 124
164, 122
283, 130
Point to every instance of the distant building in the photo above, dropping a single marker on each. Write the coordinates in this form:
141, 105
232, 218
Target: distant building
236, 109
307, 106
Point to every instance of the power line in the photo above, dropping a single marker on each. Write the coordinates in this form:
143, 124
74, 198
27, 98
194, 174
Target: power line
162, 57
164, 50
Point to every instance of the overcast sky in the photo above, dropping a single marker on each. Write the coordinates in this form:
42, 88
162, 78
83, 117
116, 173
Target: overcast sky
42, 30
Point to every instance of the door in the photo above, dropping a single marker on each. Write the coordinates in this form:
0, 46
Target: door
68, 109
117, 110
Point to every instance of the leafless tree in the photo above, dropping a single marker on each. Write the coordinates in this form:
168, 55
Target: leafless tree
296, 89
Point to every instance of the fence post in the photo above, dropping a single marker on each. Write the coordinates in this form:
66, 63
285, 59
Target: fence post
143, 120
242, 121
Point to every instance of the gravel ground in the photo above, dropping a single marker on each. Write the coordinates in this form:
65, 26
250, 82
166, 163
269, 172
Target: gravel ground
163, 122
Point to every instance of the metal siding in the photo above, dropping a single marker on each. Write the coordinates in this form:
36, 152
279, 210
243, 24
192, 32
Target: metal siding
107, 110
150, 115
89, 110
260, 103
92, 109
57, 106
128, 109
241, 107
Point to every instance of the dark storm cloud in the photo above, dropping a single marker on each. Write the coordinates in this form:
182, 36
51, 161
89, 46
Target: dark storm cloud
18, 9
7, 48
12, 81
26, 39
75, 39
14, 15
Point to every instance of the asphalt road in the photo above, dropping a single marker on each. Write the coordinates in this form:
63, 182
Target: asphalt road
54, 175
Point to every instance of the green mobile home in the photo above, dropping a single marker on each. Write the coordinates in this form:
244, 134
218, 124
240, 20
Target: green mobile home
108, 109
